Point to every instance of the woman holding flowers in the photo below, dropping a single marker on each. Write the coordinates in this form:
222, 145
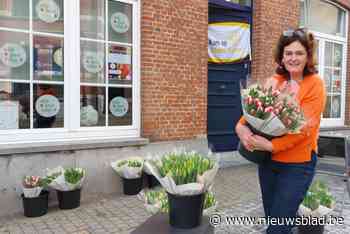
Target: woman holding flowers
285, 179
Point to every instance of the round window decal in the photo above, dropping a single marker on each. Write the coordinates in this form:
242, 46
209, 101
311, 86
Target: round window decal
119, 106
48, 11
92, 61
120, 22
47, 106
58, 57
12, 55
88, 116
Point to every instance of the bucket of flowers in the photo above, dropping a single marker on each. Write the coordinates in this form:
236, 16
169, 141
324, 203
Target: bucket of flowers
130, 170
156, 201
269, 112
317, 204
34, 197
67, 183
186, 177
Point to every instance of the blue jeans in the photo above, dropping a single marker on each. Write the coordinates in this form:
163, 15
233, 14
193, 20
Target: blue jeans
283, 187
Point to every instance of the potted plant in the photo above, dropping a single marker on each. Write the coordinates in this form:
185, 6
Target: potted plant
35, 199
130, 170
317, 204
186, 177
156, 200
67, 183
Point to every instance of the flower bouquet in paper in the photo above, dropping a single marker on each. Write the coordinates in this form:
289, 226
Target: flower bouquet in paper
130, 171
33, 185
66, 179
156, 200
186, 177
34, 197
318, 201
270, 113
129, 168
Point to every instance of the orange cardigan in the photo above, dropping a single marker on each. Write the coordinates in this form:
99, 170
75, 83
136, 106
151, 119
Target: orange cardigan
296, 148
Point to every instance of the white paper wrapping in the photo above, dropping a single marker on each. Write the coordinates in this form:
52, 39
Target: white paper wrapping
128, 172
203, 182
60, 183
319, 212
271, 126
32, 192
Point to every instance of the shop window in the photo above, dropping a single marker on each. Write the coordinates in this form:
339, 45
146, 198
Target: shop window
41, 91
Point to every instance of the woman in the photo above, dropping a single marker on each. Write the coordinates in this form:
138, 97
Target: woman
285, 179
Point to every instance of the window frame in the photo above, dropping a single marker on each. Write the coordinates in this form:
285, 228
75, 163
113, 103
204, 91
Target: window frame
323, 38
72, 130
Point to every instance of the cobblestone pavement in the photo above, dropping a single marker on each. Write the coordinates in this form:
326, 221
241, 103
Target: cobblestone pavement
237, 192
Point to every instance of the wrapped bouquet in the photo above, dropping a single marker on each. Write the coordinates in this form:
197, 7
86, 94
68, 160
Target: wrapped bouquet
129, 168
33, 185
66, 179
270, 113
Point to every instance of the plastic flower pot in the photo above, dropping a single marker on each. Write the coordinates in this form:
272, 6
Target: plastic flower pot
185, 211
257, 156
152, 181
68, 199
36, 206
311, 229
132, 186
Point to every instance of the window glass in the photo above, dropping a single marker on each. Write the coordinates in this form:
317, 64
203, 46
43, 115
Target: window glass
92, 16
119, 64
92, 62
92, 106
119, 22
14, 105
14, 14
120, 106
48, 16
48, 106
326, 18
14, 55
48, 58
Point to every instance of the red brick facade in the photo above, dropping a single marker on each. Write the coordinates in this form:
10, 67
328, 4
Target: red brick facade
174, 68
174, 61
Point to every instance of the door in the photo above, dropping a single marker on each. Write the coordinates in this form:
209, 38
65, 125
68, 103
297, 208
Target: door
224, 102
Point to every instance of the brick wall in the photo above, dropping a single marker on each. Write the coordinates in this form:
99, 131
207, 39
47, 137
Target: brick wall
270, 18
174, 68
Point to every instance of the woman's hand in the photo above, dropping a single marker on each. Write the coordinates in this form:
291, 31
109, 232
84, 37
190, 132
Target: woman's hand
244, 134
260, 143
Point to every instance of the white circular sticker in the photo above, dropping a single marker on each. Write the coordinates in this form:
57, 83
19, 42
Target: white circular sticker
47, 106
57, 57
48, 11
92, 61
88, 116
119, 106
120, 22
12, 55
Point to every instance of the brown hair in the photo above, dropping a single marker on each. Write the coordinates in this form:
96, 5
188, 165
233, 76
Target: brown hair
308, 42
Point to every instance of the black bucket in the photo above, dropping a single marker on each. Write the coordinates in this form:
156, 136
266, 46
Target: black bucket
152, 181
68, 199
311, 229
36, 206
257, 156
132, 186
185, 211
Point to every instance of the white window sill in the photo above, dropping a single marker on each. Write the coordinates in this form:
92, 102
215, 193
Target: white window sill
39, 147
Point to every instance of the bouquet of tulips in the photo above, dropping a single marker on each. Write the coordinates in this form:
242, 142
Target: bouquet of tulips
65, 179
317, 202
157, 201
33, 185
129, 168
184, 173
271, 111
